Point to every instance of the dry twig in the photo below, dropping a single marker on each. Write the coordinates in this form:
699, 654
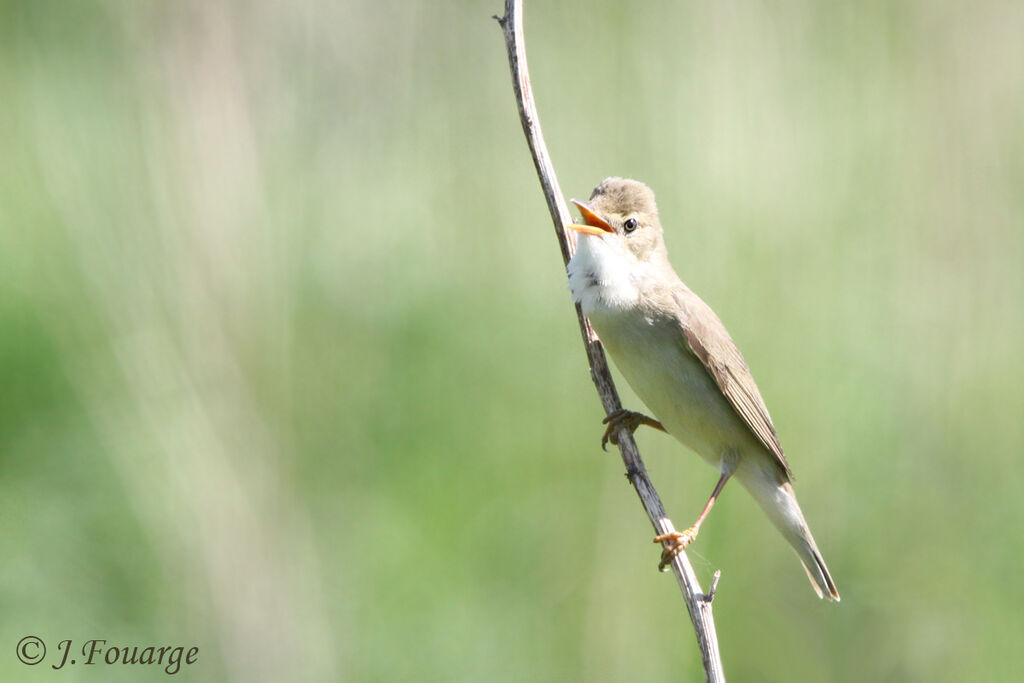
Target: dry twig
698, 604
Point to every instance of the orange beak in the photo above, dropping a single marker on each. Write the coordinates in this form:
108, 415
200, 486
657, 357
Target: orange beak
595, 225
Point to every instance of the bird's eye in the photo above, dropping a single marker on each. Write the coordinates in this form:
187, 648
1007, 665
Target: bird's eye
630, 225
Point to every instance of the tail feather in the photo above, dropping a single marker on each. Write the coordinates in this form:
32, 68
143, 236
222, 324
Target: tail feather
778, 500
814, 565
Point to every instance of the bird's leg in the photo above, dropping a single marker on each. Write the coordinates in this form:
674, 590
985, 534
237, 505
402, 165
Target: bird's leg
679, 540
628, 419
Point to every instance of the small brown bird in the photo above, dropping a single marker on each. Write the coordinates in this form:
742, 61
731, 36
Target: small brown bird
680, 360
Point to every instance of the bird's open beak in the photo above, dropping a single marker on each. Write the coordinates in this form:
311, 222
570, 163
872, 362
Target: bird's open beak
595, 225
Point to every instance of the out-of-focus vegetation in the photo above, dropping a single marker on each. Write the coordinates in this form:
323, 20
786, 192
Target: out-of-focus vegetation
289, 371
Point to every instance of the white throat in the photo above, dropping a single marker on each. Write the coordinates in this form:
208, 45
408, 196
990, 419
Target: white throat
604, 276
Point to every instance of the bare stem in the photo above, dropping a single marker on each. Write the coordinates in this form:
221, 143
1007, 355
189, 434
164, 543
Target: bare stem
697, 603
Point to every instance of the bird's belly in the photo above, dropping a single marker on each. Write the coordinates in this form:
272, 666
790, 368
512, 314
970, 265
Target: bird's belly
673, 383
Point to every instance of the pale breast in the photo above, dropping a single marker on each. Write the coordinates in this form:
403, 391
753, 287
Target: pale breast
672, 382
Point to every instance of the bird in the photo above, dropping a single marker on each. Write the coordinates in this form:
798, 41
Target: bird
678, 357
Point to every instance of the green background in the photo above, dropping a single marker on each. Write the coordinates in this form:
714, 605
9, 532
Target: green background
289, 370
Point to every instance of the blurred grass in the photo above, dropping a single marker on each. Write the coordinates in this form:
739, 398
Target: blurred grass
290, 371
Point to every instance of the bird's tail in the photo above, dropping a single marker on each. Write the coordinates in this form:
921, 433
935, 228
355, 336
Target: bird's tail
780, 504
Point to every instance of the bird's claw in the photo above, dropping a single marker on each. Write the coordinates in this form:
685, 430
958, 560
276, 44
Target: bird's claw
678, 542
625, 418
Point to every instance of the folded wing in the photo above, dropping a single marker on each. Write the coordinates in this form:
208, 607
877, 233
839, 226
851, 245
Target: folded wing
708, 339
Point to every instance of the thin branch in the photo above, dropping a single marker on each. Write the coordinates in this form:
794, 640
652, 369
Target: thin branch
714, 586
697, 603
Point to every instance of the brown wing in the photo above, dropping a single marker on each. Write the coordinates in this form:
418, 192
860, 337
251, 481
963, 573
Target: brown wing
710, 342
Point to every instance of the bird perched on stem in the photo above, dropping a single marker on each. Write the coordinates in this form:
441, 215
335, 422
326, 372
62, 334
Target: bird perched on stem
680, 360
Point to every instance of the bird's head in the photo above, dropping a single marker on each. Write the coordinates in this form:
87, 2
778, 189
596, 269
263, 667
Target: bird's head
622, 213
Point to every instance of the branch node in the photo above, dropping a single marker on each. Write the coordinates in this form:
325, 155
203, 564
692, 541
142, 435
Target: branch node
710, 595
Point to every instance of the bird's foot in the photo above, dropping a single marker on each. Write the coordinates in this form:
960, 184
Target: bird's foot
679, 540
625, 418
